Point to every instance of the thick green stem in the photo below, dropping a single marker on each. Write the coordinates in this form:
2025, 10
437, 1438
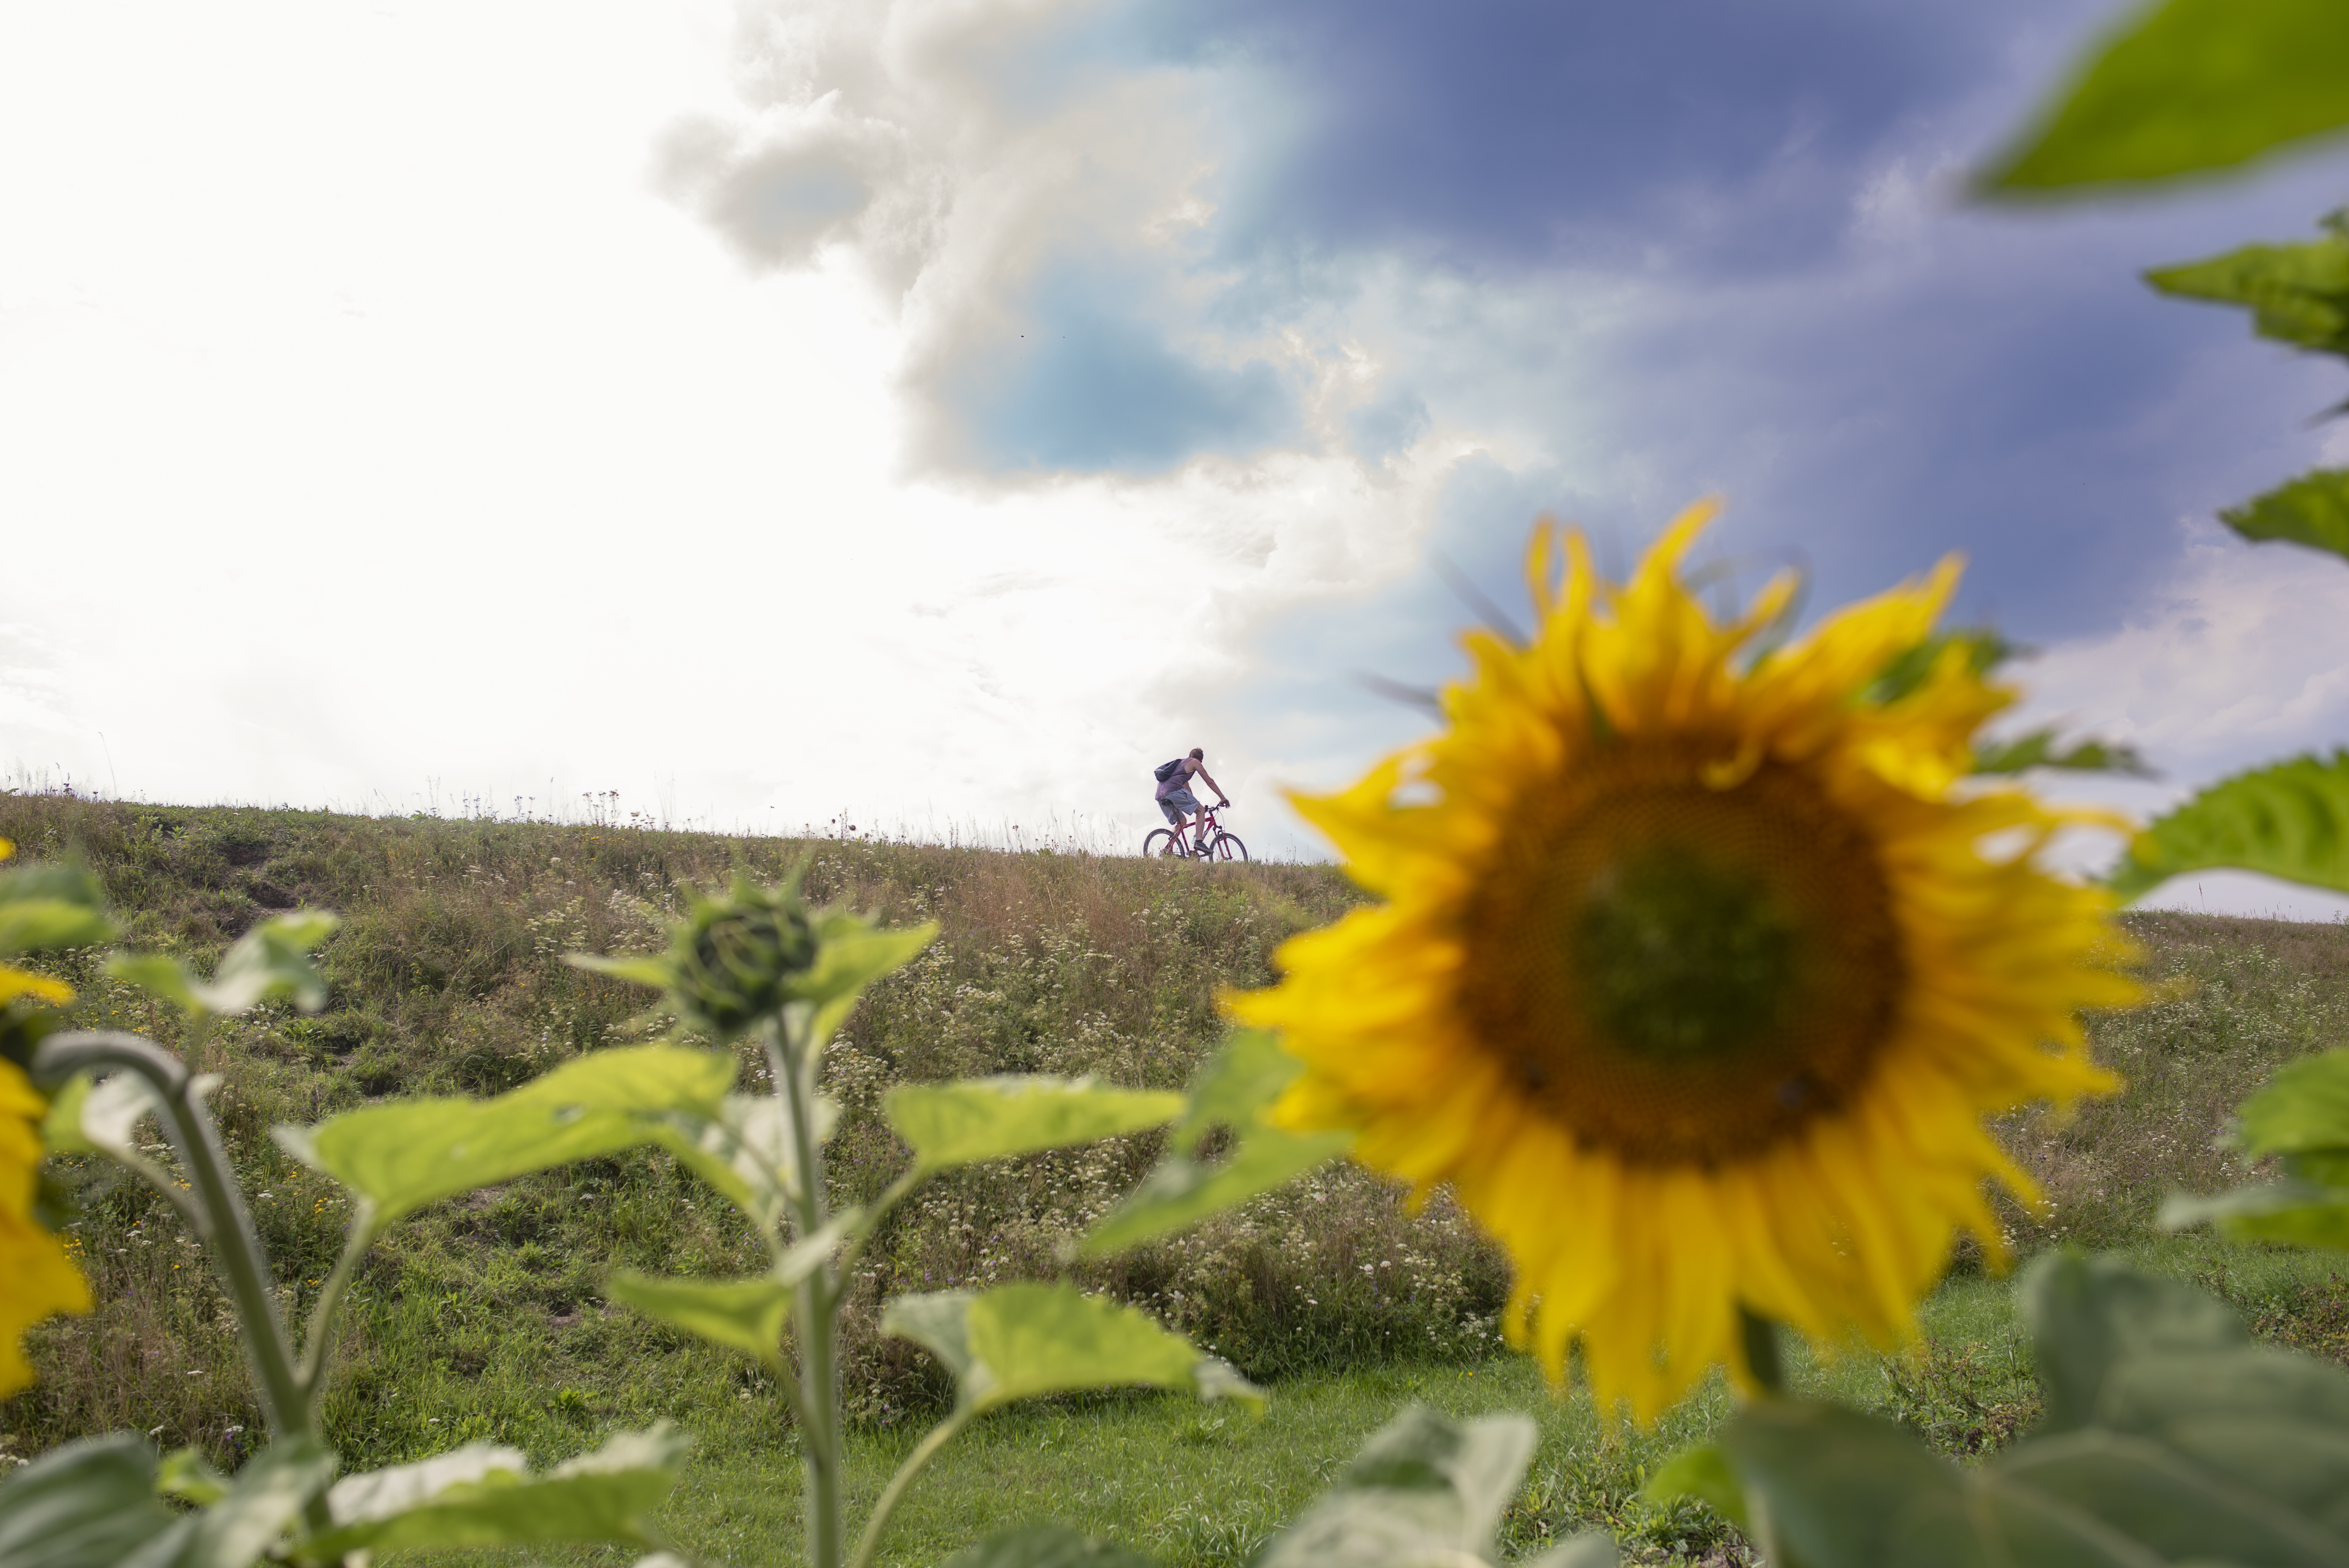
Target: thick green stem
226, 1227
936, 1438
793, 1059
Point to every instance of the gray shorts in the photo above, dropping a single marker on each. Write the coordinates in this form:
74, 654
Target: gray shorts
1180, 804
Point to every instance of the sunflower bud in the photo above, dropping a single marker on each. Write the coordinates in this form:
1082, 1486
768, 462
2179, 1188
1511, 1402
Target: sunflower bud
736, 956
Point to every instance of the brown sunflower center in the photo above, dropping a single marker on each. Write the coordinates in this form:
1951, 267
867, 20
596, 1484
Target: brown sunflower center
1683, 974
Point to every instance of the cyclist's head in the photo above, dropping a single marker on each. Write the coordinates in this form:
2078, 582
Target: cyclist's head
1198, 755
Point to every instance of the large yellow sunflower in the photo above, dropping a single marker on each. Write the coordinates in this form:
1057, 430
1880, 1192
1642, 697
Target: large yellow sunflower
1692, 976
37, 1277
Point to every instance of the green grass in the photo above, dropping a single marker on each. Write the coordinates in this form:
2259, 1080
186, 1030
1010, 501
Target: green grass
1202, 1486
485, 1317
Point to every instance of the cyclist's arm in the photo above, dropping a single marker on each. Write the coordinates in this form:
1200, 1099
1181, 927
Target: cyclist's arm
1209, 780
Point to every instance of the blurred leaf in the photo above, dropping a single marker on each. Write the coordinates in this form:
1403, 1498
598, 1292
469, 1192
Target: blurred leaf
264, 1499
88, 1502
1044, 1546
2038, 749
803, 1257
1018, 1341
1244, 1075
64, 881
158, 975
1840, 1490
1232, 1089
38, 924
1983, 651
2312, 509
2302, 1114
2171, 1438
852, 954
2088, 1315
272, 959
100, 1120
187, 1475
2290, 821
745, 1315
971, 1120
2303, 1108
402, 1155
94, 1501
1701, 1472
2185, 86
743, 1148
2296, 1213
2297, 294
483, 1495
1180, 1191
1423, 1490
656, 973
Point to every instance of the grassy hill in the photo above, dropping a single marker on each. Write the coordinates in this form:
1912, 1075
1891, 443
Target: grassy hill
485, 1317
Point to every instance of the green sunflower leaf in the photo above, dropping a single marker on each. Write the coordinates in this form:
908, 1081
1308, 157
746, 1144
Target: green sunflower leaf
272, 959
2186, 86
484, 1495
1984, 651
1018, 1341
1703, 1473
2089, 1316
1232, 1089
2312, 509
743, 1147
745, 1315
2171, 1438
971, 1120
2039, 750
405, 1154
852, 953
1424, 1488
262, 1500
1180, 1191
2290, 821
2303, 1109
1241, 1078
2296, 1213
92, 1501
2297, 294
40, 924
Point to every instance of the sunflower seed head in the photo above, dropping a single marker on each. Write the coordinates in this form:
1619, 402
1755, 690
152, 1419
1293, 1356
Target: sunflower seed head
736, 955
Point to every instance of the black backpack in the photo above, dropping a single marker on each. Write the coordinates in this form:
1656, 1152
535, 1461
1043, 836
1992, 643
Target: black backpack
1166, 771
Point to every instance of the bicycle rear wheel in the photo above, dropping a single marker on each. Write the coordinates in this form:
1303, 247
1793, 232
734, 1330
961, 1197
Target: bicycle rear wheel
1161, 841
1226, 847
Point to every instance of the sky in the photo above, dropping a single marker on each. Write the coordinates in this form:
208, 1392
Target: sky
932, 414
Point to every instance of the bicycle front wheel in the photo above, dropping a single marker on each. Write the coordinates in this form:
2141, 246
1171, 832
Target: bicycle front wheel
1226, 847
1161, 841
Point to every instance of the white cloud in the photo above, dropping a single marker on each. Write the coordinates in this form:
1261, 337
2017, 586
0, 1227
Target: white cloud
2240, 656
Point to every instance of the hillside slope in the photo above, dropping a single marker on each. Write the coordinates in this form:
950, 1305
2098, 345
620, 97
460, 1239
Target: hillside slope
485, 1317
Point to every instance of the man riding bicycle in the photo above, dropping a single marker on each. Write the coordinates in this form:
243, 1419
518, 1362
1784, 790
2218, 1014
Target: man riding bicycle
1175, 797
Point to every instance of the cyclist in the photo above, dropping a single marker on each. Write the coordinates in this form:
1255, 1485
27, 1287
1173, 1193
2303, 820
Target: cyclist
1175, 797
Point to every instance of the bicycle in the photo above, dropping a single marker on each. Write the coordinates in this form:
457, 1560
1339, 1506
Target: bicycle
1210, 843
